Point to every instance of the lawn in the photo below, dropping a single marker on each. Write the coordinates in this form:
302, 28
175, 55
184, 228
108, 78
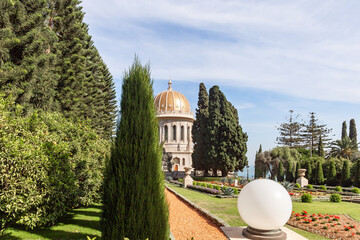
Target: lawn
78, 224
226, 209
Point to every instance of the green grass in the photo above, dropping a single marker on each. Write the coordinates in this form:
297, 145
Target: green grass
78, 224
226, 208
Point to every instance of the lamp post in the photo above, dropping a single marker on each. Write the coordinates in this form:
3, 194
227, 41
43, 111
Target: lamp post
247, 172
265, 206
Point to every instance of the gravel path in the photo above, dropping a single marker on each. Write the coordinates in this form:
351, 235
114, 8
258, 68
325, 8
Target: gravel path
186, 223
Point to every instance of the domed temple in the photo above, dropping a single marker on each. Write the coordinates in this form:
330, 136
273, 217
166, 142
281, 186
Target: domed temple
175, 124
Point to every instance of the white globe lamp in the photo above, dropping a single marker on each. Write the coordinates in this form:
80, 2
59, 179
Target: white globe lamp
265, 206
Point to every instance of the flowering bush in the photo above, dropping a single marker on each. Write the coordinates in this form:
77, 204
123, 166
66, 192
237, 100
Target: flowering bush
204, 189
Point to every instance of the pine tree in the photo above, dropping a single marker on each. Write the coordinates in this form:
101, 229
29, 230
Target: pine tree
312, 132
352, 132
26, 43
319, 175
321, 151
345, 174
344, 131
199, 130
290, 132
331, 177
134, 204
280, 175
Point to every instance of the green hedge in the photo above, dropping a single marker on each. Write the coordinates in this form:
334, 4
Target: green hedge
207, 179
48, 164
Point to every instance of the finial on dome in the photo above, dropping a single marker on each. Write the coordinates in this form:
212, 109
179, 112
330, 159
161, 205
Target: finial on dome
169, 84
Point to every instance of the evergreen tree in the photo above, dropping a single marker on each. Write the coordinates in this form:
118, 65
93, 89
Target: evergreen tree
357, 174
344, 131
345, 174
309, 170
280, 175
290, 132
26, 59
290, 172
312, 132
134, 204
352, 132
321, 151
199, 130
319, 175
298, 166
260, 149
331, 177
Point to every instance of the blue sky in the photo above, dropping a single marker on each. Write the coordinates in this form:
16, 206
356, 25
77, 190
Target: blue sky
266, 56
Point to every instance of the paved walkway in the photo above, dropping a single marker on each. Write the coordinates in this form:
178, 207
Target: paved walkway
235, 233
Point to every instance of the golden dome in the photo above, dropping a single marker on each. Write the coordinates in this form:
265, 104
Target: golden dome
171, 101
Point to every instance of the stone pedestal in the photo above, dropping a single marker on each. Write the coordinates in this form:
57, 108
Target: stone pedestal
236, 182
187, 179
302, 180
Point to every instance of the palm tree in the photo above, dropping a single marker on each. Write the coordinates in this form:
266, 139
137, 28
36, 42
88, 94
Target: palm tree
343, 148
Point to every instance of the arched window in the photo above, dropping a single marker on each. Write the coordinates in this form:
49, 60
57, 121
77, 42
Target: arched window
183, 161
174, 133
182, 133
166, 132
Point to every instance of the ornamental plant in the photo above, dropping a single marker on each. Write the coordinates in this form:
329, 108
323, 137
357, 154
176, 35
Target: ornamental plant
309, 186
335, 197
134, 203
306, 197
338, 189
297, 185
355, 190
323, 187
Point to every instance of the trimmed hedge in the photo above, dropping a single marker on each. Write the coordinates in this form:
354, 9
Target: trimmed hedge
204, 189
48, 164
335, 197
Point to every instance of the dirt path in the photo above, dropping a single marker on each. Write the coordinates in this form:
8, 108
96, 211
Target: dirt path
186, 223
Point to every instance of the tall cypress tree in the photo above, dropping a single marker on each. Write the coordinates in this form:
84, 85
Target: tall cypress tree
280, 175
319, 175
308, 173
260, 149
134, 201
290, 171
352, 132
298, 166
199, 130
344, 130
26, 43
331, 177
321, 151
345, 174
357, 174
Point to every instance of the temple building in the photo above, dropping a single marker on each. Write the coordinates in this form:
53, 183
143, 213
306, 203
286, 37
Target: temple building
175, 124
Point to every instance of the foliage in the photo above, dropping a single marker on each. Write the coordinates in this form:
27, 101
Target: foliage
323, 187
297, 185
205, 189
49, 164
309, 186
199, 130
236, 191
357, 173
308, 167
217, 187
338, 189
210, 186
344, 130
287, 185
321, 151
225, 140
290, 132
355, 190
280, 175
228, 191
335, 197
229, 180
306, 197
319, 175
344, 148
134, 199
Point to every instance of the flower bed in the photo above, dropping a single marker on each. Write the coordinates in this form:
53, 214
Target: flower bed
330, 226
204, 189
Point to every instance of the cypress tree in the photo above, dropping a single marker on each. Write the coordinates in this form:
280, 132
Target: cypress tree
345, 174
134, 200
331, 177
298, 166
290, 171
199, 130
319, 175
260, 149
357, 174
344, 130
309, 170
26, 43
321, 151
280, 175
352, 132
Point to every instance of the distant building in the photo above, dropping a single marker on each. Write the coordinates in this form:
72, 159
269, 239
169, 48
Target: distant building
175, 124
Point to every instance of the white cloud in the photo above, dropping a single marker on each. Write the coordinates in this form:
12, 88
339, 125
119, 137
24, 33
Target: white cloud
246, 106
300, 48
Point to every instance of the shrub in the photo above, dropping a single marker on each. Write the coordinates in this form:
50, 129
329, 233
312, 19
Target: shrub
309, 186
205, 190
297, 185
181, 180
228, 191
306, 197
236, 191
338, 189
210, 186
355, 190
56, 164
335, 197
323, 187
217, 187
168, 178
203, 185
194, 183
